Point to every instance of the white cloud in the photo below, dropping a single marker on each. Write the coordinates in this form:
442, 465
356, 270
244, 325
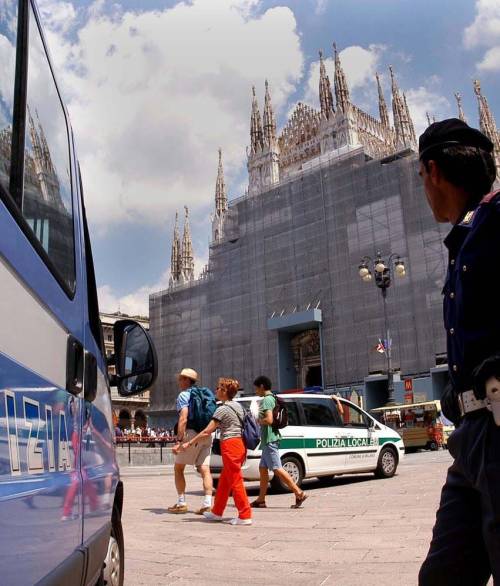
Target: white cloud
358, 63
137, 302
320, 6
491, 60
57, 16
152, 95
134, 303
484, 32
422, 100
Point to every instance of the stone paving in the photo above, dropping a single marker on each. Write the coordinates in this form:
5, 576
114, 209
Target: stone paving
352, 531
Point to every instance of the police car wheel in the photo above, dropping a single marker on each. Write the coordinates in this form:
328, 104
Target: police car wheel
112, 571
294, 468
387, 463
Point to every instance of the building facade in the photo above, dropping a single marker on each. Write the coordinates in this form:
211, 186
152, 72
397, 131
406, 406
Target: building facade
128, 412
281, 294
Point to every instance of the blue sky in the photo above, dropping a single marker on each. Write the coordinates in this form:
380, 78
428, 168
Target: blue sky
154, 88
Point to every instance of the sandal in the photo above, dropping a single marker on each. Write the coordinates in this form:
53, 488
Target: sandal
299, 500
258, 505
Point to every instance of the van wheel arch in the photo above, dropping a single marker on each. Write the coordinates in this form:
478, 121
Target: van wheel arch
118, 502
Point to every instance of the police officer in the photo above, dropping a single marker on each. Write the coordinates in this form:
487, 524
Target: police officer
458, 171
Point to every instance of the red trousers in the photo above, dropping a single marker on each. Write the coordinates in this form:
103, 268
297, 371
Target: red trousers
231, 481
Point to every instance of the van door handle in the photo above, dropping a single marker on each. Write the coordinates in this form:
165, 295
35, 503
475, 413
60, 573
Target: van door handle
74, 366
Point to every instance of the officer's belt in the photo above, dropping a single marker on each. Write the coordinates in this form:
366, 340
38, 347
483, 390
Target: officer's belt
468, 403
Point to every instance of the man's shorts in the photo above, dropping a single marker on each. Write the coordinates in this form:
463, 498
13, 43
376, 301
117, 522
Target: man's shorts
198, 454
270, 458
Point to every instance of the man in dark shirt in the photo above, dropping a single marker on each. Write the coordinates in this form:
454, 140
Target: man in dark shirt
458, 171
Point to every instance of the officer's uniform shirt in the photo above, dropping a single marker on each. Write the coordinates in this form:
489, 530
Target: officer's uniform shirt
472, 291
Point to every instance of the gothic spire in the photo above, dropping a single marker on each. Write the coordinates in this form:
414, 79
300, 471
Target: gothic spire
382, 106
256, 134
187, 250
461, 114
341, 87
325, 90
403, 124
220, 189
175, 257
269, 122
487, 123
409, 120
35, 138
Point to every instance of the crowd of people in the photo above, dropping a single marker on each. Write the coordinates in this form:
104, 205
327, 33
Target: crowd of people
145, 433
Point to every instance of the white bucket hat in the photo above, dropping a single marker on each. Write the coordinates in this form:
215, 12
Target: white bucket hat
189, 373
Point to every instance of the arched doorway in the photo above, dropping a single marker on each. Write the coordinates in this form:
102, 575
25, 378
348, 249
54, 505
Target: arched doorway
124, 420
140, 419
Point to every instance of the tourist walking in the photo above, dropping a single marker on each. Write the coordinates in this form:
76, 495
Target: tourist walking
270, 438
458, 171
229, 418
198, 454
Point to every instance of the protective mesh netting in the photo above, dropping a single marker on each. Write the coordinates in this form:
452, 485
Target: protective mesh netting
298, 246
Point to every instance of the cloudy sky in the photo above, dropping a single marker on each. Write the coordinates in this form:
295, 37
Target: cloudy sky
154, 87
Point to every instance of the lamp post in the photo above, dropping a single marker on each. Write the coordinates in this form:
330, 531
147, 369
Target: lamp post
383, 272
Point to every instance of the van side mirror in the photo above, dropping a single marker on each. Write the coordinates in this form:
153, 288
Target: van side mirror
135, 358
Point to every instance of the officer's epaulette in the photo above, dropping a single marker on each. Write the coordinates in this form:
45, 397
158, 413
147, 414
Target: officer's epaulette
487, 198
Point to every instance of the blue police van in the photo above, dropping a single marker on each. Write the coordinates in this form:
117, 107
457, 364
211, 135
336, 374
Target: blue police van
61, 496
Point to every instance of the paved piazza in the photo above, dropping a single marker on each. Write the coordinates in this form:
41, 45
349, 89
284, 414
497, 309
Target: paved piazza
352, 531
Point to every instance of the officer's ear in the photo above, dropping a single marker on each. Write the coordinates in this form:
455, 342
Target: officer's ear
433, 171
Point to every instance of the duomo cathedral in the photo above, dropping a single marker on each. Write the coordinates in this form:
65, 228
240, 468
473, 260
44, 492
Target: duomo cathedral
312, 135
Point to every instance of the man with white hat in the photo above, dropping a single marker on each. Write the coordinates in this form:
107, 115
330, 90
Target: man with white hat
197, 455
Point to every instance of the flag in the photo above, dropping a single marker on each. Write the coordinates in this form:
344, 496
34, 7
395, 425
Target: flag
380, 347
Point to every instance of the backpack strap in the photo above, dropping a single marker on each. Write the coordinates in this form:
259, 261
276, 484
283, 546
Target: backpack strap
237, 414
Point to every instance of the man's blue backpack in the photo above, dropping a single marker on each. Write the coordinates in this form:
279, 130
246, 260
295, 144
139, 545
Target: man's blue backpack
202, 405
250, 429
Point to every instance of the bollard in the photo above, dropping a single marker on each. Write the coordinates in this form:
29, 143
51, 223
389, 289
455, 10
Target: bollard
161, 452
129, 452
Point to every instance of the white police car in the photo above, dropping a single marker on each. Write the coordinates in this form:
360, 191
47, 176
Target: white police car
60, 492
324, 437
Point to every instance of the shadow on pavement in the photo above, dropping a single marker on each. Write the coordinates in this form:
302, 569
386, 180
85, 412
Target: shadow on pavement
156, 511
309, 484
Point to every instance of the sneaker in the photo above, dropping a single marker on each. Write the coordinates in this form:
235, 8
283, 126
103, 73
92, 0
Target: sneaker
209, 516
238, 521
202, 510
178, 509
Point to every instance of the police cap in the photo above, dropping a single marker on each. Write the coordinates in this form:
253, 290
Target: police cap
452, 132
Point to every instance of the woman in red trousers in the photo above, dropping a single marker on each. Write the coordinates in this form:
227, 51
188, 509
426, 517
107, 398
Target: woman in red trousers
229, 418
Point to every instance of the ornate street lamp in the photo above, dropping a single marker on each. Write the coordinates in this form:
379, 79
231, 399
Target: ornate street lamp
383, 273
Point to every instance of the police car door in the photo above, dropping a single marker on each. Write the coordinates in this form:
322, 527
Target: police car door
41, 316
322, 435
360, 441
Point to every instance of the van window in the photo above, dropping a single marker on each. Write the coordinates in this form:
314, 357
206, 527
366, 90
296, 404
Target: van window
47, 199
319, 412
353, 417
293, 413
8, 28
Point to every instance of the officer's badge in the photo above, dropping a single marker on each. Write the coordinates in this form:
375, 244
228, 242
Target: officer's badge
468, 217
